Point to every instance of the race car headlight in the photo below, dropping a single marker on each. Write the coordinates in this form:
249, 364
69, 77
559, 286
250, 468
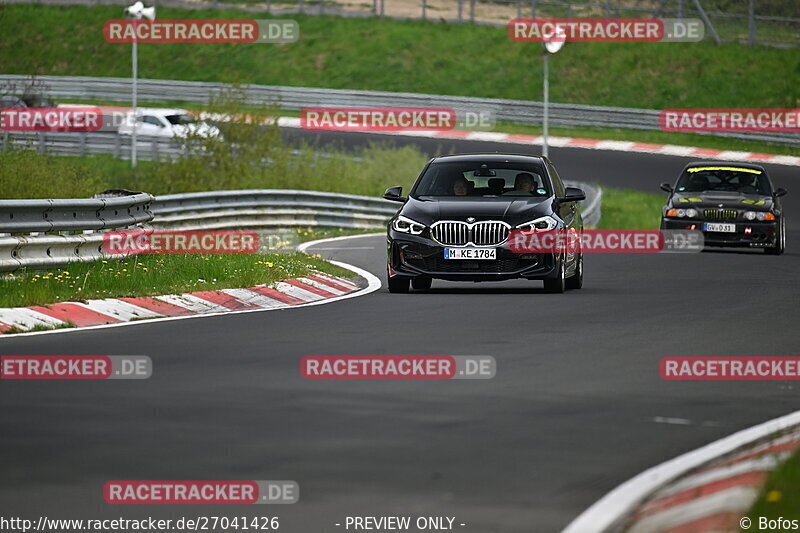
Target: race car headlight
759, 215
540, 224
406, 225
682, 213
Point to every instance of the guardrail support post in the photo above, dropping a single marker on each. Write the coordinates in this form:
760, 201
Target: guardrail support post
154, 149
42, 145
472, 10
751, 23
83, 143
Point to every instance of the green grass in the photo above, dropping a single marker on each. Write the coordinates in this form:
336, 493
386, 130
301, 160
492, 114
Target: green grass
628, 209
428, 57
151, 275
780, 496
26, 174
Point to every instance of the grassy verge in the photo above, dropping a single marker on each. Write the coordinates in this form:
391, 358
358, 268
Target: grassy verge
82, 177
152, 275
627, 209
427, 57
781, 494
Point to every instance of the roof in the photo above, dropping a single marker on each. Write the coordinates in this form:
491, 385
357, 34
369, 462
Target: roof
739, 164
494, 156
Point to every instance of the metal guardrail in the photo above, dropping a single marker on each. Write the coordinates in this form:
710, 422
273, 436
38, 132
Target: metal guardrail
295, 98
215, 210
90, 214
149, 148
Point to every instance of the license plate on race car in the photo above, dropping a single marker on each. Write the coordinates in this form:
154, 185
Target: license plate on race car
470, 253
722, 228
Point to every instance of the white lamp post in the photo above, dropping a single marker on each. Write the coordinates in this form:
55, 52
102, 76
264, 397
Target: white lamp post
552, 44
136, 11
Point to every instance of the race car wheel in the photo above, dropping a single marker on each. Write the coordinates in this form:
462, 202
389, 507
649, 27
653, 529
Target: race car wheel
575, 281
780, 241
421, 283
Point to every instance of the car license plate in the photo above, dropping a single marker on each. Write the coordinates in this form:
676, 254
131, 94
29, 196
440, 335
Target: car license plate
723, 228
470, 253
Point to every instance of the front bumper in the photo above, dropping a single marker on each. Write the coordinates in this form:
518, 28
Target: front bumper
413, 255
760, 234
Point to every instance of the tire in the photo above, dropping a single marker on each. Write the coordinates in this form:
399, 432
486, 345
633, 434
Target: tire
556, 285
421, 283
575, 281
780, 244
398, 284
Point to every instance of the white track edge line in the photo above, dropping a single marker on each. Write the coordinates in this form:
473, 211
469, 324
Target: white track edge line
611, 508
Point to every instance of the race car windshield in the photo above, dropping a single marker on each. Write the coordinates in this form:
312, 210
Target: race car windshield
723, 179
482, 180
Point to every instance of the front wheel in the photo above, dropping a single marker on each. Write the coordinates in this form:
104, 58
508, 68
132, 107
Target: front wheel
780, 241
398, 284
558, 284
575, 281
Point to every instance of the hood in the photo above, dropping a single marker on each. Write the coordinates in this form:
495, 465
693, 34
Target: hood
510, 210
728, 200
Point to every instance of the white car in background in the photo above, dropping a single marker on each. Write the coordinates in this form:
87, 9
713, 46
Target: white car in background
171, 123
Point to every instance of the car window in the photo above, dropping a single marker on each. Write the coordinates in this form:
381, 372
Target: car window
557, 183
148, 119
180, 119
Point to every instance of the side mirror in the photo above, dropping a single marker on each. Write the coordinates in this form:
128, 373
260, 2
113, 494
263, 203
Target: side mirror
780, 191
394, 194
572, 194
666, 187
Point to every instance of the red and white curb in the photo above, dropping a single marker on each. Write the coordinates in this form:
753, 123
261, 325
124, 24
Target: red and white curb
316, 287
716, 497
591, 144
708, 490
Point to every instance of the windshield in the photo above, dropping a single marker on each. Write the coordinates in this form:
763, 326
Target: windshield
177, 120
479, 179
724, 179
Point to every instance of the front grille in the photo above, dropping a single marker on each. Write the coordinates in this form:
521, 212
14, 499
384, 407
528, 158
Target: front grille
452, 233
456, 233
720, 214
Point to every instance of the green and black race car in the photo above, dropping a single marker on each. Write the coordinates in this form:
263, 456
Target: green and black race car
733, 204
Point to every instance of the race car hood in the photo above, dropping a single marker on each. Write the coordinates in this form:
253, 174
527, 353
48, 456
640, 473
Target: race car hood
725, 200
511, 210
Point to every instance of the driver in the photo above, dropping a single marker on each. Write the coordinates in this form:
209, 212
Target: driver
524, 182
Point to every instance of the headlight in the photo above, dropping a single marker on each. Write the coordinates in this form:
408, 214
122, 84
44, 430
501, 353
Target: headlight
682, 213
759, 215
540, 224
406, 225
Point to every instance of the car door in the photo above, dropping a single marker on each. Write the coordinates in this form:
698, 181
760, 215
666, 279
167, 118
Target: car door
149, 125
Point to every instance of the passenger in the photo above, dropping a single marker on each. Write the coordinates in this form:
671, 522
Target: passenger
461, 187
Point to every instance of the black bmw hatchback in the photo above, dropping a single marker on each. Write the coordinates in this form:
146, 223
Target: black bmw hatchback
456, 221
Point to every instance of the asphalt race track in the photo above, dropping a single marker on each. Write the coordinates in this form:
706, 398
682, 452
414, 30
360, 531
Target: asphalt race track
576, 408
